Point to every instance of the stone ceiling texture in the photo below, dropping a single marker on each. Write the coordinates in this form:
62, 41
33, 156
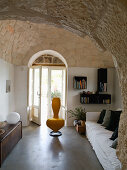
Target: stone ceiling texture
20, 40
104, 21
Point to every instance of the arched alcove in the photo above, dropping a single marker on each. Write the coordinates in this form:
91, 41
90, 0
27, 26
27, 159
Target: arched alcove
32, 65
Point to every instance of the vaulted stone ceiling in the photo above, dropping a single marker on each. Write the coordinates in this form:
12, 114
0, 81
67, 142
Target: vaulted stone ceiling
93, 18
20, 40
102, 20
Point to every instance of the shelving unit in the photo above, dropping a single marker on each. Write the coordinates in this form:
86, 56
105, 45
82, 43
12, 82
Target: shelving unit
87, 97
79, 82
95, 98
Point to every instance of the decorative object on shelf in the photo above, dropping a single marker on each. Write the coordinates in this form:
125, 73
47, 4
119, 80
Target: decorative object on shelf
80, 82
78, 113
87, 92
102, 80
95, 98
13, 118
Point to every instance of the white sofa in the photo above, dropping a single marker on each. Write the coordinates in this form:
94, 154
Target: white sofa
98, 136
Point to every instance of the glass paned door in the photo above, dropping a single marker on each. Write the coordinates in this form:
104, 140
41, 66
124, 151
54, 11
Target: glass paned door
58, 87
44, 97
46, 82
35, 94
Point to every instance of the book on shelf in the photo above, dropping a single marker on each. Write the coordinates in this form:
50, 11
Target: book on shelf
106, 101
80, 84
85, 100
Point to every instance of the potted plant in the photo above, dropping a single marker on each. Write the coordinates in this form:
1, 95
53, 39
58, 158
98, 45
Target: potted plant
79, 113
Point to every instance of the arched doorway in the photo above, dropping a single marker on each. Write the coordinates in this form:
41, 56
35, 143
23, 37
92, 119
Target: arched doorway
47, 79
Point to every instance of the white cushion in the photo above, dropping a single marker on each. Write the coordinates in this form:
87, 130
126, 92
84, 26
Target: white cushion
92, 116
13, 118
99, 139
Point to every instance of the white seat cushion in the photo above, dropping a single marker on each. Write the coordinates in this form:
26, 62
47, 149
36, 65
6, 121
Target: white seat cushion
92, 116
99, 139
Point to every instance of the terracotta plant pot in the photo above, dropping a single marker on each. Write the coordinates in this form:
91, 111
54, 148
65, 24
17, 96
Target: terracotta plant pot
82, 123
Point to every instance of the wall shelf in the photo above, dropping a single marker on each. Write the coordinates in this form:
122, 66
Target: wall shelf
79, 82
95, 98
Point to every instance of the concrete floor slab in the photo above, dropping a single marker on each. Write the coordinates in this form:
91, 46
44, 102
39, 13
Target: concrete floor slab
39, 151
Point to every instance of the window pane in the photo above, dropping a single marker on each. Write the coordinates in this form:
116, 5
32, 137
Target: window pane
36, 87
30, 86
56, 83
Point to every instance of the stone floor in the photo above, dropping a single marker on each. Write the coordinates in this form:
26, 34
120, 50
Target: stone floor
39, 151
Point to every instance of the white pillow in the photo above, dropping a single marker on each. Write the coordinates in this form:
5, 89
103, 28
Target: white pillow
13, 118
